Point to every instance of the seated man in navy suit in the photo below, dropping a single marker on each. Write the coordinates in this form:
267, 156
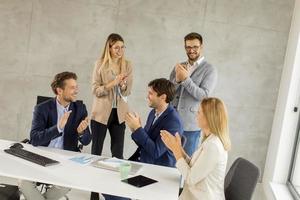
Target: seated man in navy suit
59, 122
163, 116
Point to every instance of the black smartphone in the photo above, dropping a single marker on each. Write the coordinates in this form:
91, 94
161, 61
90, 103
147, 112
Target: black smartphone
139, 181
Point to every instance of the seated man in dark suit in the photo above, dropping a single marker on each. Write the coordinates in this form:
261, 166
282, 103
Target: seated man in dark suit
59, 122
163, 116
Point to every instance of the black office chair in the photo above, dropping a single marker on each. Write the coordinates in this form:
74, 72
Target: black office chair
241, 180
41, 99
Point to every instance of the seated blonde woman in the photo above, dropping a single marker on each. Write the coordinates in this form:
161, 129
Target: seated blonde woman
204, 172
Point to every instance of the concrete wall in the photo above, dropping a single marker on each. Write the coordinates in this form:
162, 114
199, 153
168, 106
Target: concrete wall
245, 40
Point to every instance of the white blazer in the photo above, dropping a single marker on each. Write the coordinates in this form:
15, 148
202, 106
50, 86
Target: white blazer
204, 173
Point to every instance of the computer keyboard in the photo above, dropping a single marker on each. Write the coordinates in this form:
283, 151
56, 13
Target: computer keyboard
32, 157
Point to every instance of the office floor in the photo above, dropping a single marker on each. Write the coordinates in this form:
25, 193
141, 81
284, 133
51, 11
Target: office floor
83, 195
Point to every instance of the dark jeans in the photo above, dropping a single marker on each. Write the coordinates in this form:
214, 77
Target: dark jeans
116, 131
192, 141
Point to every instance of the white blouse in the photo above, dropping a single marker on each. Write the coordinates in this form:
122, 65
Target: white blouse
204, 173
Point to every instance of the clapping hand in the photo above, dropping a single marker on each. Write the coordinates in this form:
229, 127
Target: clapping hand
120, 79
172, 142
83, 125
123, 81
133, 121
181, 73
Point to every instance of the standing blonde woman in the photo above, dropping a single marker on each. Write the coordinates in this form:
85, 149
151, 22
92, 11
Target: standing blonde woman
204, 172
111, 84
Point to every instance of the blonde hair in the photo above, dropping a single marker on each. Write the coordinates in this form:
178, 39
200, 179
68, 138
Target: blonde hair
106, 59
215, 113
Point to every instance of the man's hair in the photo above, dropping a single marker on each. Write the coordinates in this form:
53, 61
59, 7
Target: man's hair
192, 36
163, 86
59, 80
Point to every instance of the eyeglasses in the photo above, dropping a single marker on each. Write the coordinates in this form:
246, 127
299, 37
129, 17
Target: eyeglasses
188, 48
119, 48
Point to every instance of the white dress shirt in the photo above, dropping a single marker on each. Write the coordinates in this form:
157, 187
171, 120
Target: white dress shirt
191, 68
204, 173
59, 141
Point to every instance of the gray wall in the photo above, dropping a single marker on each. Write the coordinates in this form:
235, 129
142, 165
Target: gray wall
245, 40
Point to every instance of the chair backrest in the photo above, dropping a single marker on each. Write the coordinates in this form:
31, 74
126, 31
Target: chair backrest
241, 180
41, 99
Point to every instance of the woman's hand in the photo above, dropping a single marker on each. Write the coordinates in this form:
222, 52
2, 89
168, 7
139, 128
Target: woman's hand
172, 142
123, 83
117, 81
119, 78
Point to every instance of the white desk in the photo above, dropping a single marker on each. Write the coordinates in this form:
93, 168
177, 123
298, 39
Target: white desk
85, 177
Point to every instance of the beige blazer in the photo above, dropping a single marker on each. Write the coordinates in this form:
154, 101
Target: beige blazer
102, 102
204, 173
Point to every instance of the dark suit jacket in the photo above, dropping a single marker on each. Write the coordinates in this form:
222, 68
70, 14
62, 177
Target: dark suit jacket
151, 148
44, 125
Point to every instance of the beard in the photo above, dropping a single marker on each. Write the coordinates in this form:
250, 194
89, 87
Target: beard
151, 104
193, 57
69, 99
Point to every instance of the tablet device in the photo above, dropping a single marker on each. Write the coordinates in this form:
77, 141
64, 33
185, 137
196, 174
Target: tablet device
139, 181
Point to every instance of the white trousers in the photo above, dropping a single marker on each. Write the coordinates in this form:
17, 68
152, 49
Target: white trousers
31, 192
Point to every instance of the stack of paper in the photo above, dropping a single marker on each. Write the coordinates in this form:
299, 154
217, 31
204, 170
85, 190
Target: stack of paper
114, 163
110, 163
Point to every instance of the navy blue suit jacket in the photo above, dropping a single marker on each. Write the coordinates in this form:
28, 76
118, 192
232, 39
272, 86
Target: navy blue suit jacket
151, 148
44, 125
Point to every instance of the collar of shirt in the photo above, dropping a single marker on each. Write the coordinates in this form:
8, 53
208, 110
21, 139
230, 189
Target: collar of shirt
59, 141
157, 115
61, 108
191, 68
